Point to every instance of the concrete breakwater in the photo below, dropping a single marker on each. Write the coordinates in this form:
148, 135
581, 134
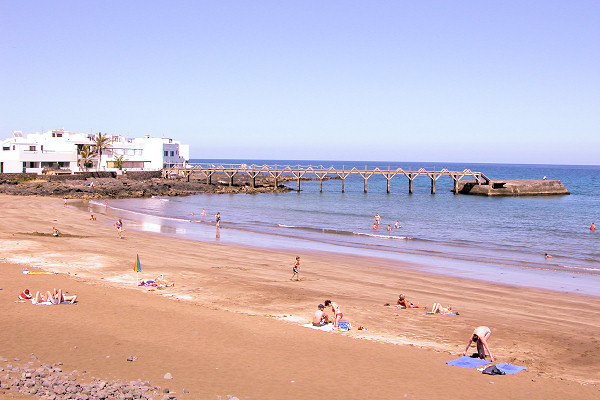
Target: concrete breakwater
514, 187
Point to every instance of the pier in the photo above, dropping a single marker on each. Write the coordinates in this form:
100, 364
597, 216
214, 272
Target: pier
320, 172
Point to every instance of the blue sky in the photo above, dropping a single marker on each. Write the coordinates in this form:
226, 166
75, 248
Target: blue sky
462, 81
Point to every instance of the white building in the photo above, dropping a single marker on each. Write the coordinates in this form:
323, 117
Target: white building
58, 150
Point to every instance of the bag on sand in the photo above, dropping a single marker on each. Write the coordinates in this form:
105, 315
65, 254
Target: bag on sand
492, 370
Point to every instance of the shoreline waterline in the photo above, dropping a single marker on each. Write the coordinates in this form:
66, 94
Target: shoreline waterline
473, 265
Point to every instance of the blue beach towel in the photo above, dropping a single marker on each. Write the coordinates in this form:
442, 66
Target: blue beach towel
344, 325
468, 362
509, 368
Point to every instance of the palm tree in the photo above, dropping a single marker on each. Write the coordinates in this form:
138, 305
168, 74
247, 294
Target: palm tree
85, 156
119, 161
102, 142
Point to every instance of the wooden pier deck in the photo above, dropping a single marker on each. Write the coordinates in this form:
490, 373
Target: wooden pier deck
320, 172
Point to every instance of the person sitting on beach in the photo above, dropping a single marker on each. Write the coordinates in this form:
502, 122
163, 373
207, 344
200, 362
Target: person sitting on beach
438, 309
319, 317
402, 302
25, 295
480, 335
92, 217
55, 232
337, 312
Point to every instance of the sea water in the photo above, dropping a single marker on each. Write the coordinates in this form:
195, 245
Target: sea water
500, 239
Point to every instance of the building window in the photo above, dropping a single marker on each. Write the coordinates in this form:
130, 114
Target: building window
172, 153
31, 148
6, 148
164, 165
166, 154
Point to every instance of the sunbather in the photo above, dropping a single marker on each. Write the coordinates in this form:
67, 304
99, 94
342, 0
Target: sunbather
480, 335
59, 297
438, 309
319, 317
407, 304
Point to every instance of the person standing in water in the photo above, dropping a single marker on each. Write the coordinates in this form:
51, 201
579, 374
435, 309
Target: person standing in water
593, 227
218, 219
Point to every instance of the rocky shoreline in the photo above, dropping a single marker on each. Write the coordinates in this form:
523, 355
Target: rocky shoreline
49, 382
126, 187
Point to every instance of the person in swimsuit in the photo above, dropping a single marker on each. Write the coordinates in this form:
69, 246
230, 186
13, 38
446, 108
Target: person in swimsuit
593, 227
119, 226
337, 312
55, 232
295, 270
218, 219
397, 224
480, 335
402, 302
319, 317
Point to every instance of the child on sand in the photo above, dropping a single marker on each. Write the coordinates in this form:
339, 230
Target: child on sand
119, 226
337, 312
295, 270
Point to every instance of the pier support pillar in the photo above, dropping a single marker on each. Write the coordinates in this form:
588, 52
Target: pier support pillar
410, 183
320, 185
388, 185
455, 185
343, 181
298, 184
365, 184
433, 185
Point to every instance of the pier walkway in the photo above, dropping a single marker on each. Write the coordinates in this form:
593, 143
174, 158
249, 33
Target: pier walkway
320, 172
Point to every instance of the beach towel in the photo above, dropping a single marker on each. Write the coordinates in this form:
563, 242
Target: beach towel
435, 313
509, 368
325, 328
468, 362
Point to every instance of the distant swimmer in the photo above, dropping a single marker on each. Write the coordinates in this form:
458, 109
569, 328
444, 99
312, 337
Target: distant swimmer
592, 227
203, 213
397, 224
547, 255
389, 229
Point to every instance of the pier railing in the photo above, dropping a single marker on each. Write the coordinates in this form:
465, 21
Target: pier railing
320, 172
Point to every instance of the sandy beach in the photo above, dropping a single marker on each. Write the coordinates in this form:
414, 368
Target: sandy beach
231, 324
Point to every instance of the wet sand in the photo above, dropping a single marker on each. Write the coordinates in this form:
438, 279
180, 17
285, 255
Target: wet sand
231, 323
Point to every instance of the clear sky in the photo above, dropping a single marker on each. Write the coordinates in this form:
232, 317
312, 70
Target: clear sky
463, 81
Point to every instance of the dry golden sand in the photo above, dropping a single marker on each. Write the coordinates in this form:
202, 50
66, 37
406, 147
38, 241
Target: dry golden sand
231, 324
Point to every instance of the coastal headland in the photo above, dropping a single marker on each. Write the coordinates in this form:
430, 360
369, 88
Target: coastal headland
109, 185
231, 324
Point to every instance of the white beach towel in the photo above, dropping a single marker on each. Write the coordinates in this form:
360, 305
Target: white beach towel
325, 328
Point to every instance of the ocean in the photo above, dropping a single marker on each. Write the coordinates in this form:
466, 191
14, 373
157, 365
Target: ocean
493, 239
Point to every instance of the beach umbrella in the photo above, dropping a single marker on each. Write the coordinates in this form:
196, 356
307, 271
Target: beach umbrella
137, 268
